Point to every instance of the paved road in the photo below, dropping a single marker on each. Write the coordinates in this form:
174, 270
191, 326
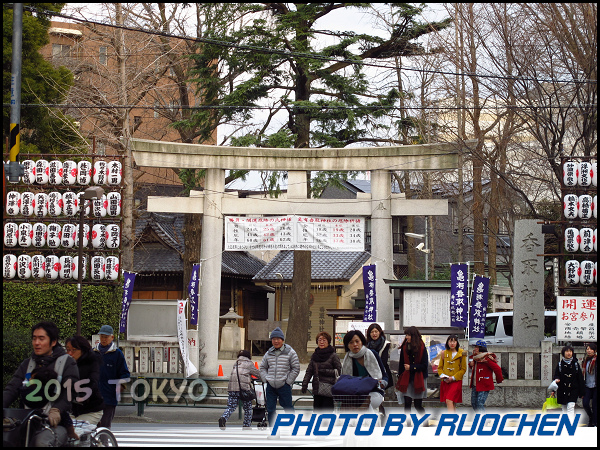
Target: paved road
188, 435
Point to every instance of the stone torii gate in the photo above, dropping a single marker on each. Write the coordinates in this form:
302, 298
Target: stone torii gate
214, 203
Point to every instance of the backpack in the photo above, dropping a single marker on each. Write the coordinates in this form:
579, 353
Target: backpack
59, 367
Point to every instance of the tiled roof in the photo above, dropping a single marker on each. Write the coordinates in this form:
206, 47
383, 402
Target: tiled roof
154, 257
165, 256
324, 265
241, 264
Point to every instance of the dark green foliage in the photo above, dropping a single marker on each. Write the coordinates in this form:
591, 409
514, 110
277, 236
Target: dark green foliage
16, 347
40, 83
25, 304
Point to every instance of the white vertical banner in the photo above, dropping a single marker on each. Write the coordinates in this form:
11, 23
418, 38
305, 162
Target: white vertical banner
190, 369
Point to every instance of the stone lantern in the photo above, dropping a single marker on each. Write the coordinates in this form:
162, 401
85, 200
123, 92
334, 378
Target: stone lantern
232, 338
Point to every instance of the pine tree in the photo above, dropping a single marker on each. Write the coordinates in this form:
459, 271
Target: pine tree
275, 58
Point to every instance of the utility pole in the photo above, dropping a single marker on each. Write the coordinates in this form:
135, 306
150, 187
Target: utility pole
13, 169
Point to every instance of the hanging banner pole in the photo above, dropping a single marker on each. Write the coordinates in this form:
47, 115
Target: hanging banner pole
193, 288
369, 279
128, 280
190, 369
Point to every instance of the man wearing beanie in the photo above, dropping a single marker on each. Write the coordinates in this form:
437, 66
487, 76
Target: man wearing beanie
279, 368
483, 368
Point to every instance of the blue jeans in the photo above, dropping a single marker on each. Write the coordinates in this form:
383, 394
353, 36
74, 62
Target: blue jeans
284, 394
478, 400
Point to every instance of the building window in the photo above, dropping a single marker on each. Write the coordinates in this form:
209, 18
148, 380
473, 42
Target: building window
61, 51
103, 52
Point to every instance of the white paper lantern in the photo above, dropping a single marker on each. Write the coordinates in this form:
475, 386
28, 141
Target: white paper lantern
27, 203
571, 206
587, 273
586, 243
97, 268
114, 171
572, 239
66, 267
24, 266
11, 234
13, 203
595, 206
55, 203
38, 266
52, 267
55, 172
40, 232
113, 204
41, 171
25, 234
594, 174
572, 272
75, 267
99, 206
41, 204
99, 236
100, 174
84, 172
585, 207
69, 172
112, 268
570, 173
113, 236
54, 234
68, 235
9, 264
595, 240
69, 199
585, 176
29, 171
86, 235
596, 272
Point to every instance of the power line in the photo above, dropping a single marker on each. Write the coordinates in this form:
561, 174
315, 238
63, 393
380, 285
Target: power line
298, 54
332, 107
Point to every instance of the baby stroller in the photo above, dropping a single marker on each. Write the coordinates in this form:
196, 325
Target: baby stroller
259, 411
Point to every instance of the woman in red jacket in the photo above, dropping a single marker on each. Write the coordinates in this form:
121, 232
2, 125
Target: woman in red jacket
483, 367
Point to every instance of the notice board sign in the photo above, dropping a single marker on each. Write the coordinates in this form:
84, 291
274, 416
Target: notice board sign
342, 234
426, 308
576, 318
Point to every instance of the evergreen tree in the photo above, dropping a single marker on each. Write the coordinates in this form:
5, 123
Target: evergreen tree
41, 132
276, 58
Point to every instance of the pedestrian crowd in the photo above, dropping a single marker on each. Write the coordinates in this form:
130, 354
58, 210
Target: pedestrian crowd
72, 382
364, 370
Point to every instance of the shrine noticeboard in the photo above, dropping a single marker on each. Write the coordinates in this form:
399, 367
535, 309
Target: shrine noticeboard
427, 308
576, 318
342, 234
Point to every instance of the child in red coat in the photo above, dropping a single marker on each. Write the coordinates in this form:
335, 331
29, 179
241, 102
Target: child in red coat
483, 366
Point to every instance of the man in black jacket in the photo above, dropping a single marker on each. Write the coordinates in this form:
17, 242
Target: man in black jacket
46, 353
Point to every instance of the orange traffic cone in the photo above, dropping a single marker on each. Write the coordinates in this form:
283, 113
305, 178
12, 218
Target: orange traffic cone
256, 364
220, 373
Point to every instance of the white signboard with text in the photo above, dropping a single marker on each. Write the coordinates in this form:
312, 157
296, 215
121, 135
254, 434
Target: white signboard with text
342, 234
576, 318
426, 308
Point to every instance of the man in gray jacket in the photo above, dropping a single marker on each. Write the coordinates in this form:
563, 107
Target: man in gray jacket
279, 368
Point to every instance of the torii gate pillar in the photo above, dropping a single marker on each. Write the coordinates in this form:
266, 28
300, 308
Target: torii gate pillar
209, 298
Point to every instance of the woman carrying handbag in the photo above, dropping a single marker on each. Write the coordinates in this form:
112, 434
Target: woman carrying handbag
240, 381
324, 368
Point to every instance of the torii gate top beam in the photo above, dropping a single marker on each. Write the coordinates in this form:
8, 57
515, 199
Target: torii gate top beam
402, 157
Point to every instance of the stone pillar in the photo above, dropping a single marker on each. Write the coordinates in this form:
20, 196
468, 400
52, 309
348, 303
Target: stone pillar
528, 316
210, 277
381, 244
